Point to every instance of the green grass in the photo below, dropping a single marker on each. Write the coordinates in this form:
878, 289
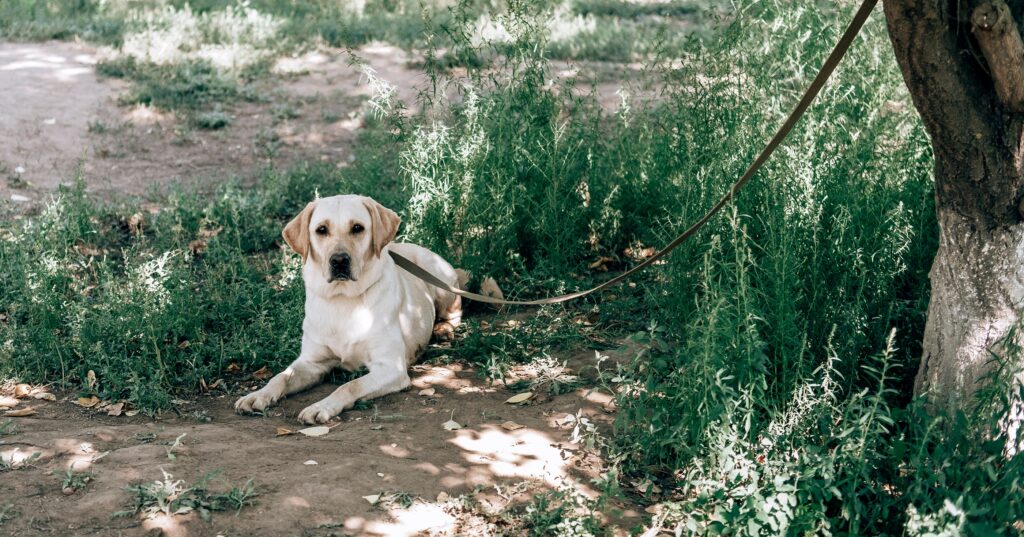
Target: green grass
187, 86
75, 481
169, 496
40, 20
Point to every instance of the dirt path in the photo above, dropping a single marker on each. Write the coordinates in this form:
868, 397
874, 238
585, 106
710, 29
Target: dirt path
59, 120
400, 446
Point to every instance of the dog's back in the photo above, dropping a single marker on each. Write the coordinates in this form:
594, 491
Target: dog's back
447, 306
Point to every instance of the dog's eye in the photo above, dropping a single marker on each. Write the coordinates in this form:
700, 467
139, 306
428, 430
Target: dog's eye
322, 230
357, 229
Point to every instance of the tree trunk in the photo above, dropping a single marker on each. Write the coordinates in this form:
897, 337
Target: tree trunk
965, 80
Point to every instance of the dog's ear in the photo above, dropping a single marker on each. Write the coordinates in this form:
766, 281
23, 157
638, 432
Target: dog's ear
296, 233
383, 225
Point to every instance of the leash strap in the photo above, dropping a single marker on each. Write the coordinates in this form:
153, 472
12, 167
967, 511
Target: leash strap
812, 91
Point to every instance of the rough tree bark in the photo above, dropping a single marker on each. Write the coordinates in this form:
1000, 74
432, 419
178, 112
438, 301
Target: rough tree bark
964, 65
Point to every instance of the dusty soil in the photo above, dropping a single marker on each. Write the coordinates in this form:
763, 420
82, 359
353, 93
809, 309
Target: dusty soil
400, 446
60, 120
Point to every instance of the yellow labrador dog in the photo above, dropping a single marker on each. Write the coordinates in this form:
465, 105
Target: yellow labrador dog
361, 309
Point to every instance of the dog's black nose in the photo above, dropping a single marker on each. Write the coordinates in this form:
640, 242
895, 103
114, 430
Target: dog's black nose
341, 266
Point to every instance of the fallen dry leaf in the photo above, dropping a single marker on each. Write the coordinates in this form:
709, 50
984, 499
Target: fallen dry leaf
511, 426
310, 462
262, 373
7, 402
46, 396
22, 390
451, 425
20, 413
233, 368
519, 398
281, 431
87, 402
90, 379
315, 431
373, 498
131, 413
115, 409
427, 392
442, 496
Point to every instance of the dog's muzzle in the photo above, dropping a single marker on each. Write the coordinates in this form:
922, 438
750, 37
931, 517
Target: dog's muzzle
341, 267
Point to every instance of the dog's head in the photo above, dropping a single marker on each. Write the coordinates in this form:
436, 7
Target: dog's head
340, 238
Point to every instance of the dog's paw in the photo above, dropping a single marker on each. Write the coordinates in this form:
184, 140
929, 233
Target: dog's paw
444, 331
257, 401
320, 412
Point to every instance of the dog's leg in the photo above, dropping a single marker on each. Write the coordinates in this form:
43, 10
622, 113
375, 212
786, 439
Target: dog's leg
381, 380
303, 373
449, 316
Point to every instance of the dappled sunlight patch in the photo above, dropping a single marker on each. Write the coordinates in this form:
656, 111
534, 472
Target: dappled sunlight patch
524, 453
446, 377
418, 519
230, 39
428, 468
296, 501
562, 26
300, 64
168, 525
20, 456
35, 58
80, 454
395, 450
145, 114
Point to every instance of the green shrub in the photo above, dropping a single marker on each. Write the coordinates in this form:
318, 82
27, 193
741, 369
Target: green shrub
180, 86
40, 20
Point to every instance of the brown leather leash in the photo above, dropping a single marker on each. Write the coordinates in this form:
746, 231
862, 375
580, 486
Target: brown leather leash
812, 91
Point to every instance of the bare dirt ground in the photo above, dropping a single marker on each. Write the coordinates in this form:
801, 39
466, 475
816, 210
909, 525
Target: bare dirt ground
400, 446
59, 120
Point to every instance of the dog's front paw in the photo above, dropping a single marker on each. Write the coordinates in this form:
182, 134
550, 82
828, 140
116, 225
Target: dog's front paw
257, 401
320, 412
